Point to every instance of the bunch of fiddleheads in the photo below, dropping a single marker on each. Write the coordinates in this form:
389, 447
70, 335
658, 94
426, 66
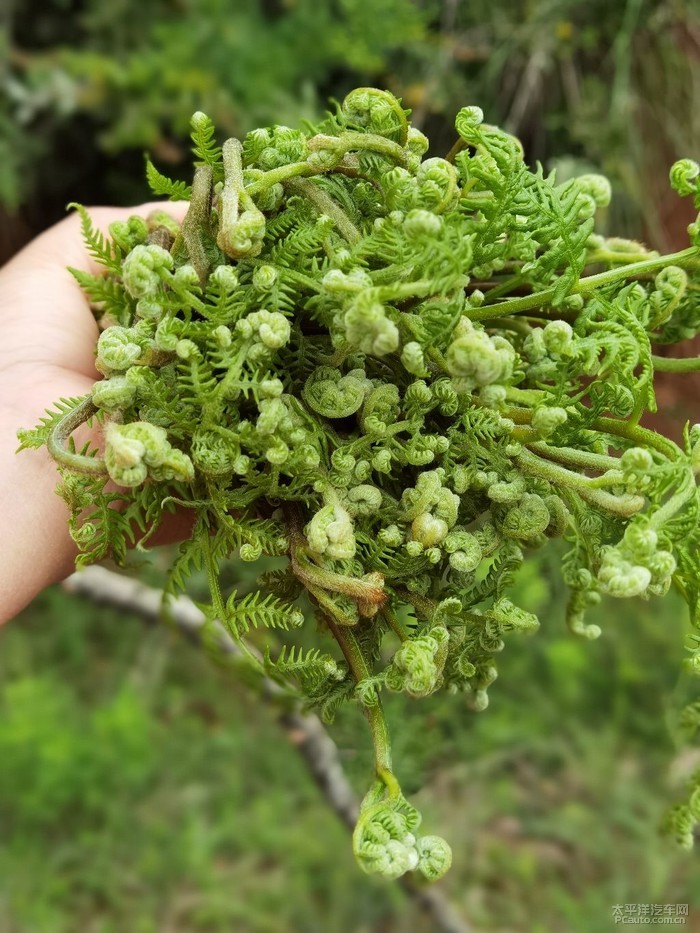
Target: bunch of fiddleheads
403, 374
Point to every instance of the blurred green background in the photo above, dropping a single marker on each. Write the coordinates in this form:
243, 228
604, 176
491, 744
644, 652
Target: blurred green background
142, 789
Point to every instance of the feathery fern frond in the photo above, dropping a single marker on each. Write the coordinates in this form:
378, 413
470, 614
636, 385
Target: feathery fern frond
105, 295
257, 611
105, 252
39, 436
204, 146
161, 185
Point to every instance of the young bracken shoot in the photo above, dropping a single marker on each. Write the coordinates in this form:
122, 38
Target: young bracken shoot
403, 374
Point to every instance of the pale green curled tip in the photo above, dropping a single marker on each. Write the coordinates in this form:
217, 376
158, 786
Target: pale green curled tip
620, 578
557, 336
387, 842
684, 176
413, 358
377, 111
368, 328
420, 223
128, 234
144, 269
269, 329
478, 359
417, 664
138, 450
331, 533
114, 393
469, 118
118, 349
434, 857
636, 460
332, 395
546, 420
597, 187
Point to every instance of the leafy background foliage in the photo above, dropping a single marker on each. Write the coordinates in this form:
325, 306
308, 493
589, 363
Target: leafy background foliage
87, 86
139, 787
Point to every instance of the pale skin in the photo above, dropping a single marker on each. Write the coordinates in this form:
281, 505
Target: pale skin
47, 351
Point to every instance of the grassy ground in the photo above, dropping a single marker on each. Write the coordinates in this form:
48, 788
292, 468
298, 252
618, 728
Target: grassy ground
142, 790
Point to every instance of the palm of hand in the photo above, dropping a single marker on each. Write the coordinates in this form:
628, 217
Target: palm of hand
47, 351
48, 331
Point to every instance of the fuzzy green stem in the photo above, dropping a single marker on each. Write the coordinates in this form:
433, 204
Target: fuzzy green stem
526, 396
686, 491
328, 606
584, 286
230, 197
280, 175
420, 288
637, 435
436, 357
365, 592
631, 432
397, 627
352, 652
212, 410
362, 591
202, 532
353, 141
518, 415
665, 364
196, 218
326, 205
56, 443
525, 436
424, 606
569, 456
610, 256
455, 149
624, 505
374, 713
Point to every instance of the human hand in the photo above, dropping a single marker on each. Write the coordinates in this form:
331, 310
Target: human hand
47, 351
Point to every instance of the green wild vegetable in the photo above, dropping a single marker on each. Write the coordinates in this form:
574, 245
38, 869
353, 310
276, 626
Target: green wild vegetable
403, 374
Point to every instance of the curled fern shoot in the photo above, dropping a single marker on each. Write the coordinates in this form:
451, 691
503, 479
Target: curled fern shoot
405, 375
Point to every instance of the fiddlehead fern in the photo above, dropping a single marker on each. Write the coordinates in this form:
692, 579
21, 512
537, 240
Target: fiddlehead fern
402, 374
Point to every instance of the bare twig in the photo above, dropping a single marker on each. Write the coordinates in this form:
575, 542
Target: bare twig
304, 730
